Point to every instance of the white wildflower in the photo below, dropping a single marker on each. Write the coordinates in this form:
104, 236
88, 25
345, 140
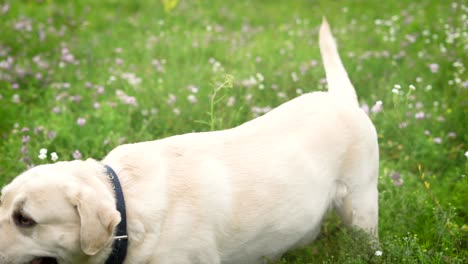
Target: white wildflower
53, 156
294, 77
378, 253
192, 99
231, 101
260, 77
42, 154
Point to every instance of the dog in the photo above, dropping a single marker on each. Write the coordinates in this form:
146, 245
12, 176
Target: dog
237, 196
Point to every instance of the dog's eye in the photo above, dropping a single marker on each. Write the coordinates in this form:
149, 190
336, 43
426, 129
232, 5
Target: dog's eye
23, 220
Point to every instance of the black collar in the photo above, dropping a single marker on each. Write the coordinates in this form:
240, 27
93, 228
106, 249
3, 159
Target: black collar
120, 244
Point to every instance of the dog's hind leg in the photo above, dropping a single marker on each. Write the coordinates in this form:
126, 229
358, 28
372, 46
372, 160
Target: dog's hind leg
360, 209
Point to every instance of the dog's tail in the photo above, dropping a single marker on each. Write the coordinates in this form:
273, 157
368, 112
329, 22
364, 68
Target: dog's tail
337, 77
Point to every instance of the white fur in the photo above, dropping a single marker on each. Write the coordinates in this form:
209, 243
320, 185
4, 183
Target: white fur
241, 195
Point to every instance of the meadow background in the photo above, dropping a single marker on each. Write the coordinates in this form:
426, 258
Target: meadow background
81, 77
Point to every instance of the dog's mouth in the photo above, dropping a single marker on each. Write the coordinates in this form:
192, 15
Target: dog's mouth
44, 260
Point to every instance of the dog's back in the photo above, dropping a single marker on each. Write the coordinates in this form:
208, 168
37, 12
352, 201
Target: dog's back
285, 169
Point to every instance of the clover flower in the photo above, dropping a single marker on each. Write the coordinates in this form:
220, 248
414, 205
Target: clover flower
25, 139
192, 99
294, 77
42, 154
5, 8
231, 101
397, 179
403, 124
77, 154
172, 99
16, 99
131, 78
192, 88
81, 121
53, 156
126, 99
434, 67
377, 107
419, 115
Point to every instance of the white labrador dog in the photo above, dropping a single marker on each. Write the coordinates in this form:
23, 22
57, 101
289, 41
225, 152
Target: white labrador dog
237, 196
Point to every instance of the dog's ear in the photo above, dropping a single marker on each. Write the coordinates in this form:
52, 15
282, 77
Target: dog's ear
98, 218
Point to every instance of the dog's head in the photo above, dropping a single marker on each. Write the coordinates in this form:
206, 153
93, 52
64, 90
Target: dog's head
57, 213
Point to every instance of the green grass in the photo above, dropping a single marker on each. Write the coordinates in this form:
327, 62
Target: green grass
422, 132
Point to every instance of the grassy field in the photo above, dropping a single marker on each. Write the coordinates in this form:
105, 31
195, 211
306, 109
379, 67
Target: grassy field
81, 77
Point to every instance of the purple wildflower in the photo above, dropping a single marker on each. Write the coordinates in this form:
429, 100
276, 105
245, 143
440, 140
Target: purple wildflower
419, 115
25, 139
403, 124
377, 107
56, 110
5, 8
81, 121
77, 154
434, 67
24, 150
396, 177
51, 134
